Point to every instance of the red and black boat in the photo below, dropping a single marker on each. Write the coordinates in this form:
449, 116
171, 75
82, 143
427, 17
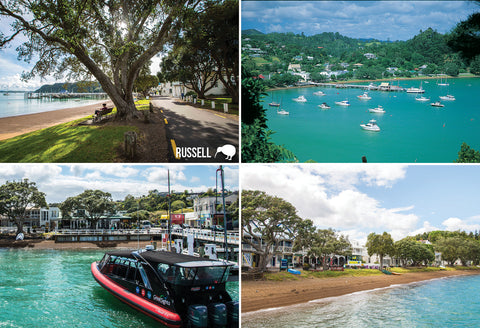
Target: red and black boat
176, 289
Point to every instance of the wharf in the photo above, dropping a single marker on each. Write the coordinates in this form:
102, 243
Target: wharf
381, 87
65, 95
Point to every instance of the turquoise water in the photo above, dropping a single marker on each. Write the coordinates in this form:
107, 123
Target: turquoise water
15, 104
411, 131
54, 288
449, 302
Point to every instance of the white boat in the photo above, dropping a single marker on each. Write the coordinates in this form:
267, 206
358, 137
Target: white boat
447, 97
379, 109
283, 112
371, 126
443, 83
343, 103
319, 93
365, 96
416, 90
300, 99
422, 98
324, 106
437, 104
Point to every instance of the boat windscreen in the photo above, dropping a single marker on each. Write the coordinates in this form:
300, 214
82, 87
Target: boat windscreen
193, 276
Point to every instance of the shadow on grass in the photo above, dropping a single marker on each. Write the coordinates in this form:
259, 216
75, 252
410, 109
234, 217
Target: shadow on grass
65, 143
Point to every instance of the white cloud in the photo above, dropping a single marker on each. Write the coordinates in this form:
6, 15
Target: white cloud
454, 224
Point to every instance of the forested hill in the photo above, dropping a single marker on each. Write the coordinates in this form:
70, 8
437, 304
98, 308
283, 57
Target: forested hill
426, 53
77, 87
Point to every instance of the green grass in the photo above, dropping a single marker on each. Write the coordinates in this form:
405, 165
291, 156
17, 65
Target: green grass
283, 275
67, 143
232, 109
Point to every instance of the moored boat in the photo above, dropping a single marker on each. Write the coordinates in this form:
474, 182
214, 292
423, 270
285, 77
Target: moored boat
378, 109
422, 98
283, 112
364, 96
447, 97
371, 126
176, 289
437, 104
343, 103
324, 106
319, 93
300, 99
274, 104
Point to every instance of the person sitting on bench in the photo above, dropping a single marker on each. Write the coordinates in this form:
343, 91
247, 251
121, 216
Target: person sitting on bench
98, 111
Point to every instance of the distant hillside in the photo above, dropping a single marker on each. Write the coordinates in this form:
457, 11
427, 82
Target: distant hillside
251, 32
77, 87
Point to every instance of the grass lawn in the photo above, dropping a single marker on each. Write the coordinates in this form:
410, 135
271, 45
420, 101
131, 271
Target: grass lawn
232, 108
67, 143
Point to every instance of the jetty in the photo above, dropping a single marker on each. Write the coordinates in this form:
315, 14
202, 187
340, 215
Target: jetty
384, 86
65, 95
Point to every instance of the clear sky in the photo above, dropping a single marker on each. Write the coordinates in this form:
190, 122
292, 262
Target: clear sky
357, 199
382, 20
62, 181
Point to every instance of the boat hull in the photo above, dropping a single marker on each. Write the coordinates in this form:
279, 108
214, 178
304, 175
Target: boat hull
157, 312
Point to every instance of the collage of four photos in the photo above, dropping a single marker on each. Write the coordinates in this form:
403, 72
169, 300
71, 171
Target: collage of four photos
226, 163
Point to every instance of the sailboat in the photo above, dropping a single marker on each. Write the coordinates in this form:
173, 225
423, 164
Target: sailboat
443, 83
273, 103
282, 111
416, 90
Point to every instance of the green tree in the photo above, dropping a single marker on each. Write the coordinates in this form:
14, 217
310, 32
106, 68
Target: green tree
475, 65
452, 69
468, 155
465, 37
381, 245
16, 198
327, 242
90, 204
449, 247
266, 221
109, 40
144, 83
178, 204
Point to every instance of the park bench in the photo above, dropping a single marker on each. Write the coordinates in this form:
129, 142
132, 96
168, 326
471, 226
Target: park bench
98, 116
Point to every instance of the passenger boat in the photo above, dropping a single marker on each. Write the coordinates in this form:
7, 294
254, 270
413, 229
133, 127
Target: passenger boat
176, 289
379, 110
343, 103
371, 126
447, 97
416, 90
300, 99
364, 96
324, 106
437, 104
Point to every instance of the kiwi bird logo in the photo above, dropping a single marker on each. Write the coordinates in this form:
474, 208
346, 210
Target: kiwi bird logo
227, 150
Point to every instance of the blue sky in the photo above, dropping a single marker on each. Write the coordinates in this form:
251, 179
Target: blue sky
383, 20
62, 181
359, 199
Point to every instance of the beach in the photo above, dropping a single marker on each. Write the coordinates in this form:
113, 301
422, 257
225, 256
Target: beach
259, 295
17, 125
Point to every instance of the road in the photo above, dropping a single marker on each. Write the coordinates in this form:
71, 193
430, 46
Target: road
195, 134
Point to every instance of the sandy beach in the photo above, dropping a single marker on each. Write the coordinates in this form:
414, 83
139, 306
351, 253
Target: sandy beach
258, 295
17, 125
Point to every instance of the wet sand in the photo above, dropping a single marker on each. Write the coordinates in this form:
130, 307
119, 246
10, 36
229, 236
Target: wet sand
17, 125
258, 295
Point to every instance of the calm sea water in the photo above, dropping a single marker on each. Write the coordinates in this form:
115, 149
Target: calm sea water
411, 131
449, 302
54, 288
15, 104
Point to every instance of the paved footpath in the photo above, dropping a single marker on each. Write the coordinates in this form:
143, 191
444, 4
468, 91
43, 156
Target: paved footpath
197, 133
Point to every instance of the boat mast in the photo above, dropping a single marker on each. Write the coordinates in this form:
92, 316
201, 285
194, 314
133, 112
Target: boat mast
169, 215
224, 214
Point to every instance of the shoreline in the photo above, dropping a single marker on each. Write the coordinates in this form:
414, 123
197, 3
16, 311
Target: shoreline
372, 81
32, 244
13, 126
263, 295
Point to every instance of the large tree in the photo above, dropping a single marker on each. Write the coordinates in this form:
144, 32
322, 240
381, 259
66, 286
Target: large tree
266, 221
381, 245
16, 198
90, 205
111, 40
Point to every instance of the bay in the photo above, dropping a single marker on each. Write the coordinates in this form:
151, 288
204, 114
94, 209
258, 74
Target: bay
15, 104
55, 288
447, 302
411, 131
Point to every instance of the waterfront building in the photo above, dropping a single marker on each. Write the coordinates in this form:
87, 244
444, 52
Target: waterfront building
205, 208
